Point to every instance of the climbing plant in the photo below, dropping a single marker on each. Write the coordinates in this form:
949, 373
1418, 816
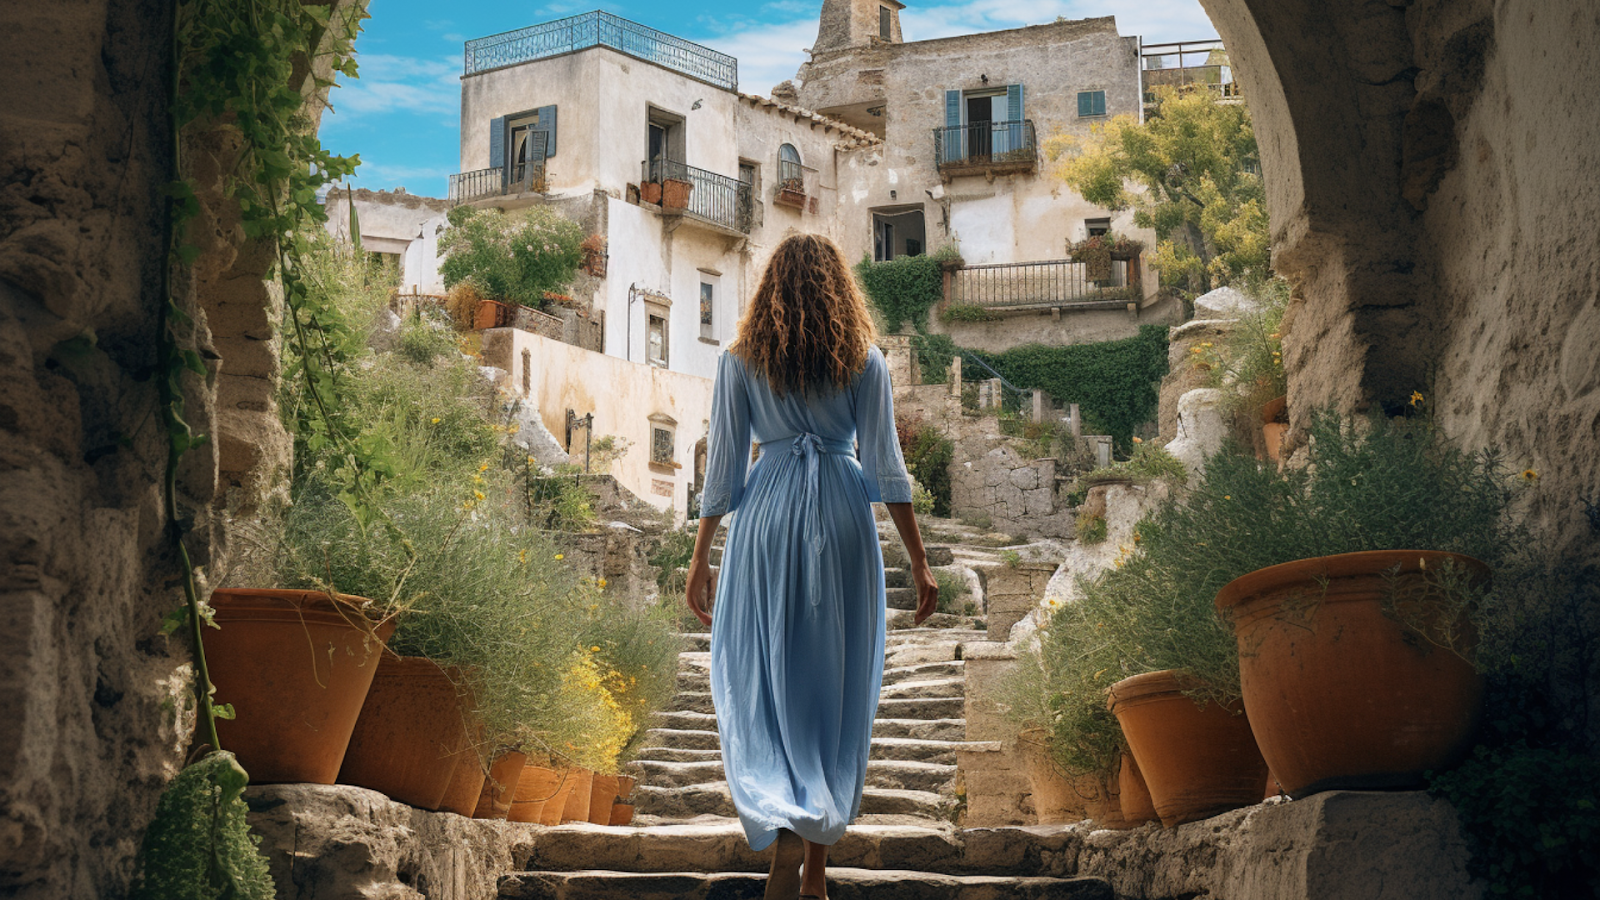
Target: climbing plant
902, 290
1114, 382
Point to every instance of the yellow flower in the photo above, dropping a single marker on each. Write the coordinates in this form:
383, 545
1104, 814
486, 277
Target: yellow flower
594, 649
469, 504
1206, 344
1197, 350
484, 467
522, 556
561, 556
1274, 335
602, 582
435, 420
477, 495
1530, 475
1138, 440
1227, 496
1416, 398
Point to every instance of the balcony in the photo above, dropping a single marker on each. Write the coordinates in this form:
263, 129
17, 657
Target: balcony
482, 184
602, 29
725, 204
796, 187
1046, 284
986, 148
1191, 65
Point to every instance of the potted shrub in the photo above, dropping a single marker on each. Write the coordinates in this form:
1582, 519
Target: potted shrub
790, 192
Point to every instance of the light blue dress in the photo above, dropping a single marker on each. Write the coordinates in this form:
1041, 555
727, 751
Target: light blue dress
798, 620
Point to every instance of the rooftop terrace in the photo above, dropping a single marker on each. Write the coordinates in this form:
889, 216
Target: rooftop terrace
602, 29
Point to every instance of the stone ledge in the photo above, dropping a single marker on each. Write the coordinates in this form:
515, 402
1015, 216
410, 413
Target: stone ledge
337, 841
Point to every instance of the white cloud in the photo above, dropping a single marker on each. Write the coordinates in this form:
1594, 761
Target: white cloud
770, 52
391, 83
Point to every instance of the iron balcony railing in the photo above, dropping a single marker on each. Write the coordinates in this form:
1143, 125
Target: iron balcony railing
602, 29
986, 144
712, 198
1043, 283
497, 182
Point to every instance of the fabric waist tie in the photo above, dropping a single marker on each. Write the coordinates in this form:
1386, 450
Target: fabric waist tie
810, 447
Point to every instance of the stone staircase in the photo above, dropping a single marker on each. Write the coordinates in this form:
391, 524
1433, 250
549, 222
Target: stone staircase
686, 841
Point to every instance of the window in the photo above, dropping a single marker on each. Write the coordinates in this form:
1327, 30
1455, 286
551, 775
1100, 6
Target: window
515, 138
655, 352
664, 144
1097, 226
663, 439
1091, 103
885, 18
708, 303
790, 175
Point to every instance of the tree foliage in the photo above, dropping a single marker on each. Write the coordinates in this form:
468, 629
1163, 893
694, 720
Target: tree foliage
512, 257
1190, 172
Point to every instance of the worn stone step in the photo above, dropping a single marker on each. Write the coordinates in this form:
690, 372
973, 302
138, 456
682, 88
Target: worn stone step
843, 884
918, 671
895, 577
693, 701
893, 774
684, 738
886, 748
712, 799
920, 708
903, 619
901, 597
910, 654
718, 844
951, 729
925, 687
677, 754
686, 721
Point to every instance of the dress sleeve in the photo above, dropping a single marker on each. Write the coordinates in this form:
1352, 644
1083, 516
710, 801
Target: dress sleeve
728, 444
878, 445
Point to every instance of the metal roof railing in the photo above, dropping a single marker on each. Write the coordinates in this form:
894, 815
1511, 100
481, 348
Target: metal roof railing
602, 29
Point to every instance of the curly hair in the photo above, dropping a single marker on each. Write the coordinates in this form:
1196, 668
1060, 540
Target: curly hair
807, 325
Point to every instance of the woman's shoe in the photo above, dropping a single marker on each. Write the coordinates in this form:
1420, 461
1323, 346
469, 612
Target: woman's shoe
783, 880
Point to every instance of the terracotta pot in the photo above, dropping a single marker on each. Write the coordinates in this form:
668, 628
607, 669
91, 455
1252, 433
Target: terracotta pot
1197, 760
577, 805
493, 314
296, 665
621, 814
1340, 694
650, 192
402, 747
1103, 804
1137, 807
675, 193
1060, 795
565, 785
625, 785
466, 784
536, 790
602, 794
500, 788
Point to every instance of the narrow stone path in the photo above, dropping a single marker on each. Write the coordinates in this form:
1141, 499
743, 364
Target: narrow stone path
686, 841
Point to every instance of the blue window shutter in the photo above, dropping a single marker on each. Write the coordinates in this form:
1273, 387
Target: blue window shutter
547, 122
1099, 103
1085, 104
497, 143
952, 109
1014, 103
952, 122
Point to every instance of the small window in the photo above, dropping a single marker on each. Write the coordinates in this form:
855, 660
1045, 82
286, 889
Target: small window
656, 339
1091, 103
1097, 226
708, 303
661, 441
884, 20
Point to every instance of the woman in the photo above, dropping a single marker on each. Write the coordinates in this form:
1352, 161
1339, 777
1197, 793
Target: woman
797, 640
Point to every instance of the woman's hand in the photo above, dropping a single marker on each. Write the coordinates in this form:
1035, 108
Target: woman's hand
700, 589
927, 591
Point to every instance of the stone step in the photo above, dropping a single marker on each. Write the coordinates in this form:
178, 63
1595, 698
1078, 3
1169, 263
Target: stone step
937, 699
677, 754
914, 749
900, 619
711, 798
920, 708
693, 678
684, 738
694, 689
891, 774
896, 577
901, 597
952, 729
924, 687
843, 884
896, 720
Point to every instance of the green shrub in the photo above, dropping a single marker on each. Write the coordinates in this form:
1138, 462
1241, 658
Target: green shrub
1148, 463
512, 257
968, 312
921, 499
934, 353
559, 502
953, 589
902, 290
199, 846
426, 336
1248, 358
928, 454
1114, 382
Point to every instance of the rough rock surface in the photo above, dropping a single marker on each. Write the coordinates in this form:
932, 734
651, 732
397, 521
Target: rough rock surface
1223, 303
1201, 428
337, 841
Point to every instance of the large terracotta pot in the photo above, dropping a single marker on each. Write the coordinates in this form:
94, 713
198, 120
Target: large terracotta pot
296, 666
537, 790
500, 787
650, 192
1062, 796
402, 746
1272, 429
493, 314
466, 784
1137, 807
1197, 760
602, 795
1341, 694
576, 808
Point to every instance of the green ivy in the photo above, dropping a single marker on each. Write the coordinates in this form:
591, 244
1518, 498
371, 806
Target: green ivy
934, 354
1114, 383
968, 312
928, 455
904, 289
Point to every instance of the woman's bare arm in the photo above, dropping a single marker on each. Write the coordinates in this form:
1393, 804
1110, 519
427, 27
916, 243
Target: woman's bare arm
905, 521
701, 586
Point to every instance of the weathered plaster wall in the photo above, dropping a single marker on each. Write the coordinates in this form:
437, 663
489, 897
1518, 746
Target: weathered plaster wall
1070, 326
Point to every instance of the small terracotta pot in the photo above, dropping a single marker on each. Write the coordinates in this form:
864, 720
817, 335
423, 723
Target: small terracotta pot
565, 784
1137, 807
1197, 760
621, 814
536, 791
1340, 694
296, 666
577, 805
492, 314
602, 794
650, 192
500, 788
625, 785
402, 747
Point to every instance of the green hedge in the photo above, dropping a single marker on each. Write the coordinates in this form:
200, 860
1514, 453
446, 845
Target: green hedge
1114, 383
903, 289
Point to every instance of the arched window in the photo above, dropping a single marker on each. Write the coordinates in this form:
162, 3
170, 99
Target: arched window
789, 173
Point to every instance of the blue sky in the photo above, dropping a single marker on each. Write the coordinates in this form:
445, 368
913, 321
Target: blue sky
402, 115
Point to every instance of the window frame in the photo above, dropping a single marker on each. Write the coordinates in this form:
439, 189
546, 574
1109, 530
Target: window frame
661, 423
1092, 95
663, 315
